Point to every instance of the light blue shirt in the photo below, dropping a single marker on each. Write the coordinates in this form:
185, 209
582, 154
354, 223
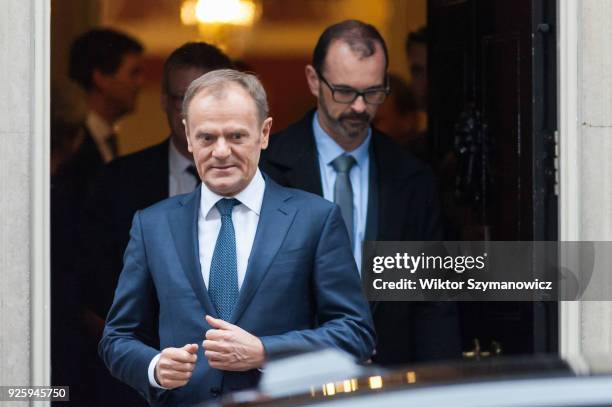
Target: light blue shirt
328, 150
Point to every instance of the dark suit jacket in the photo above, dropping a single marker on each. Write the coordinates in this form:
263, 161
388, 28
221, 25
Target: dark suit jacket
114, 192
125, 185
81, 169
301, 263
403, 205
74, 357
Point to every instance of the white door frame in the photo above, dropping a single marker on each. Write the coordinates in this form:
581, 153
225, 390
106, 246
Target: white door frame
40, 187
569, 157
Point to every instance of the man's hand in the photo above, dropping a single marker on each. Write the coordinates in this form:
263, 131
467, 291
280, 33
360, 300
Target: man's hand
229, 347
175, 365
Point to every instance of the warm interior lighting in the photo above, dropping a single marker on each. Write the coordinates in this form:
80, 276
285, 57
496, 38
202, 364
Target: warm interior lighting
233, 12
188, 12
411, 377
224, 23
375, 382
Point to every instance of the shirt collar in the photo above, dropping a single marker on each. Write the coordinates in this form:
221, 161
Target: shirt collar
177, 162
251, 196
99, 128
329, 150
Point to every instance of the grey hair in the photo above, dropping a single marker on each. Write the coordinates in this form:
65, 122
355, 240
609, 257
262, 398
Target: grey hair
216, 82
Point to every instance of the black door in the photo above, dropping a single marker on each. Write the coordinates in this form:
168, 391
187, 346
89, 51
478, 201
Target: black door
492, 115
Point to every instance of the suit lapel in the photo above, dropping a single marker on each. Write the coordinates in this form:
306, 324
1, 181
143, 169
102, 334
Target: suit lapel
275, 220
154, 186
159, 170
299, 159
184, 229
305, 175
90, 151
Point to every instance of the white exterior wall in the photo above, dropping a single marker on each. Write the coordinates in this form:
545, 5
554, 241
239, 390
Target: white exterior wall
585, 137
16, 90
24, 193
595, 129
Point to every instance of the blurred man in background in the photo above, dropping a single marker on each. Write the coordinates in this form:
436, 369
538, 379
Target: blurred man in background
399, 118
416, 52
107, 64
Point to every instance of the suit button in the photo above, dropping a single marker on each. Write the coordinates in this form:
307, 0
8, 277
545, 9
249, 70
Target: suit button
215, 391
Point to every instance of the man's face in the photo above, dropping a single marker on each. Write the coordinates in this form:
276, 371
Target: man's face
122, 88
226, 138
172, 100
344, 68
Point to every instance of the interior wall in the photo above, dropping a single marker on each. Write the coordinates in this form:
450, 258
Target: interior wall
277, 48
69, 18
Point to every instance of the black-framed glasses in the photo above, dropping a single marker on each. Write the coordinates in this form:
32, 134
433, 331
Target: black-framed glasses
347, 95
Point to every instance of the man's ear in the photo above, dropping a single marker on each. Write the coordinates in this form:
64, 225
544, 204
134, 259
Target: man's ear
189, 148
99, 79
313, 80
265, 133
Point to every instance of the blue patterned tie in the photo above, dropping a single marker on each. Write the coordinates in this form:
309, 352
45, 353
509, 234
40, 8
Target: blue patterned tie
223, 279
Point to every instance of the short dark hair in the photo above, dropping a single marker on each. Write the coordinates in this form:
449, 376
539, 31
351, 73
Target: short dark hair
102, 49
199, 55
360, 36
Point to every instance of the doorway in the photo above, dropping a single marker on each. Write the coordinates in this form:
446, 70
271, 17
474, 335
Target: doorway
492, 124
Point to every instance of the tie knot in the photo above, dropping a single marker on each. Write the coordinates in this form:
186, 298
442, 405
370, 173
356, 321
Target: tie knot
343, 163
226, 205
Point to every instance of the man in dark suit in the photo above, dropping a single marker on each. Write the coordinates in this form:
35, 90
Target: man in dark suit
384, 193
236, 250
133, 182
107, 64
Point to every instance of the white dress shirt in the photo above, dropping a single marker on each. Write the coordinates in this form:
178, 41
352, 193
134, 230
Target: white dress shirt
100, 131
328, 150
244, 217
180, 181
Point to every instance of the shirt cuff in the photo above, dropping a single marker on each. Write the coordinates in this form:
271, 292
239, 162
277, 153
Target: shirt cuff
152, 380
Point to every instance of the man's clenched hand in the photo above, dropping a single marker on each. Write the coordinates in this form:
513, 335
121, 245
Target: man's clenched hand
229, 347
175, 366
